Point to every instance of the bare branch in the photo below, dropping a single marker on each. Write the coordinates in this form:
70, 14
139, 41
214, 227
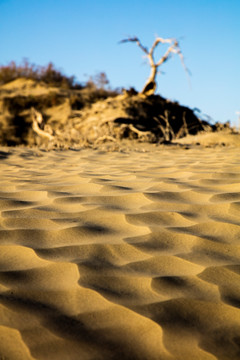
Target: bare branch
135, 39
128, 39
182, 61
157, 41
167, 54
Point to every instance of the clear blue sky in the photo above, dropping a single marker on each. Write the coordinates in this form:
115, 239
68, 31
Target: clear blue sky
81, 38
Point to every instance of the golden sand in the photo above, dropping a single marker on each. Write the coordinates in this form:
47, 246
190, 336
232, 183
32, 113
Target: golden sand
122, 255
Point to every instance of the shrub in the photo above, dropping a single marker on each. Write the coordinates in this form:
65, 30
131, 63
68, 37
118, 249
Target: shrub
49, 74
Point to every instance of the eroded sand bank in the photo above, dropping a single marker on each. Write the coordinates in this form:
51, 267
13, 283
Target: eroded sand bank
120, 255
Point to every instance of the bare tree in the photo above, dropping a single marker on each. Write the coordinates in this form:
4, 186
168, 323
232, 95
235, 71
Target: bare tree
174, 48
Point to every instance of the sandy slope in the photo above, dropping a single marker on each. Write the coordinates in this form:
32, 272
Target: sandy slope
124, 255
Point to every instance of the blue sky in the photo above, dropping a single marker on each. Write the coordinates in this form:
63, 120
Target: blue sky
81, 38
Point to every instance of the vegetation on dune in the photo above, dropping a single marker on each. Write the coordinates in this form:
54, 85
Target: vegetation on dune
42, 106
27, 86
48, 74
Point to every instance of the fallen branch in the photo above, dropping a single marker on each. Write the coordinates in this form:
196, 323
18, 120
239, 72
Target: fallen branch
36, 120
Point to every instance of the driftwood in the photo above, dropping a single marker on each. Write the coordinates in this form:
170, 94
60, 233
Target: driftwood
174, 48
37, 120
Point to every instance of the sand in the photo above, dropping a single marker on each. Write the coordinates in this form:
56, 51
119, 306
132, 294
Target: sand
120, 255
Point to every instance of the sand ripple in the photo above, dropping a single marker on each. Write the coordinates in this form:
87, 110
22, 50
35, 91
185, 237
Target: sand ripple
123, 255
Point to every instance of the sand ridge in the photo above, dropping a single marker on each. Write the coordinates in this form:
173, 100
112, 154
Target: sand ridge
121, 255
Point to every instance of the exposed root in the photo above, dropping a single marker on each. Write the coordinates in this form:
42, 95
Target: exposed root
37, 120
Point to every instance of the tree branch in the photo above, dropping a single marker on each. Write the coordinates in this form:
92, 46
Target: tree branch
135, 39
157, 41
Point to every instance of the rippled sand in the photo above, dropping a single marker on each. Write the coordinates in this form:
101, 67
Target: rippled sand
120, 255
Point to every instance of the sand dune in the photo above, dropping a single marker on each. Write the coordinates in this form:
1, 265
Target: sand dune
122, 255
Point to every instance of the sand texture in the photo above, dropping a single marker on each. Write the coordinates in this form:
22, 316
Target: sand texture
122, 255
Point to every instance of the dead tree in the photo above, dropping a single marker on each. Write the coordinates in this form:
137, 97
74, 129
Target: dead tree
174, 48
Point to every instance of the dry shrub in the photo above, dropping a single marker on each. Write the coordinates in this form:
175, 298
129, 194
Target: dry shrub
49, 74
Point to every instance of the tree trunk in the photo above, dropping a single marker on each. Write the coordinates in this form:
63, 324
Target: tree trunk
150, 85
